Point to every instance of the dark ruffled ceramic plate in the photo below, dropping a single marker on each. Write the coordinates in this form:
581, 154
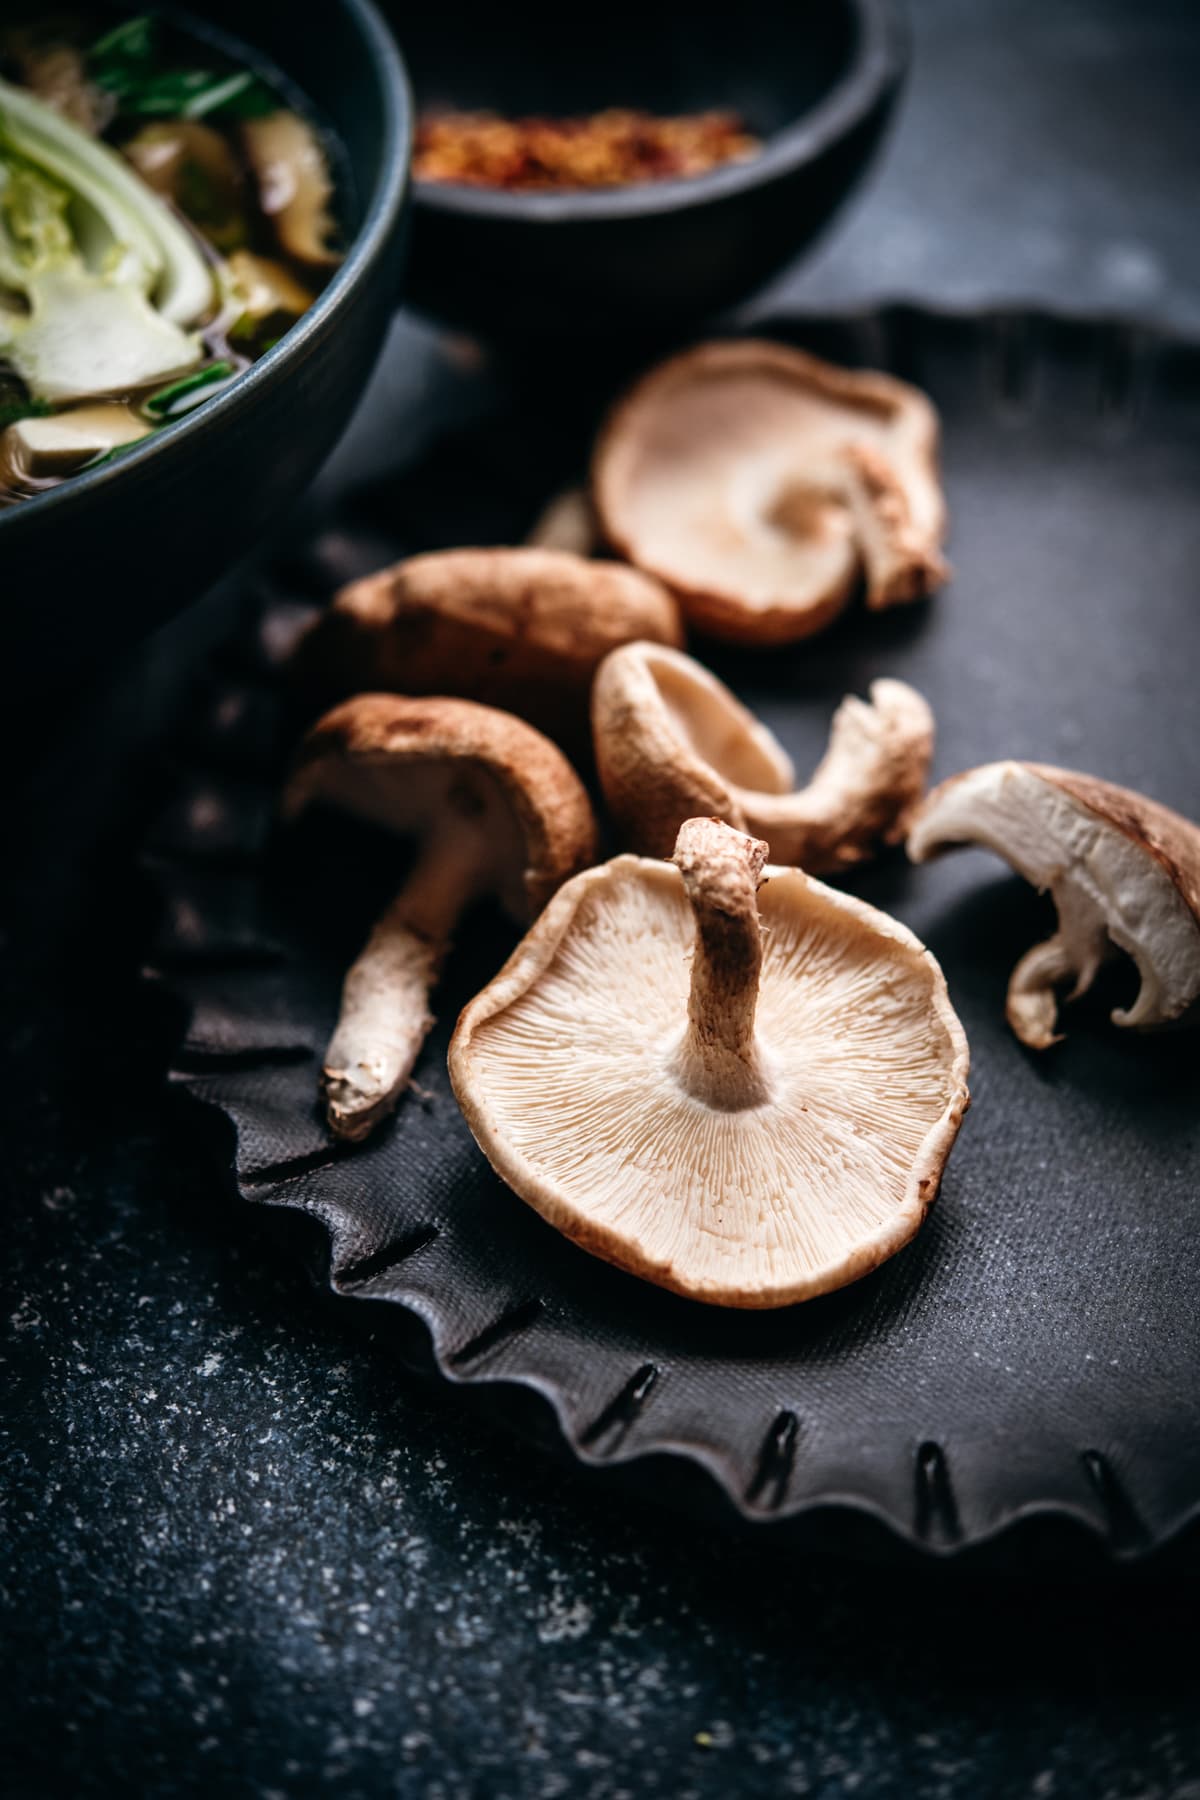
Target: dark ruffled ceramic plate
1036, 1352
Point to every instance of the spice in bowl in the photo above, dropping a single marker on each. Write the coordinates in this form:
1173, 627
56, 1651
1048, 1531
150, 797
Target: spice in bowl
615, 148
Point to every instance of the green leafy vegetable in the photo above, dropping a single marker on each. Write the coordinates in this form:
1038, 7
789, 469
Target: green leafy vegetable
167, 401
103, 276
13, 410
127, 63
112, 456
122, 224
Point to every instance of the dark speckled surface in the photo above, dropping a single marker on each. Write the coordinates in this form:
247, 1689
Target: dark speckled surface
245, 1554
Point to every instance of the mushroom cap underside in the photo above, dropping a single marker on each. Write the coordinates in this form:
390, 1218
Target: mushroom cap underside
564, 1065
728, 473
1119, 866
672, 742
415, 766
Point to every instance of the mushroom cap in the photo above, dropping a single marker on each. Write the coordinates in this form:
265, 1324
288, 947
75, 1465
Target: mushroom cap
564, 1067
1119, 866
518, 628
672, 742
416, 766
733, 473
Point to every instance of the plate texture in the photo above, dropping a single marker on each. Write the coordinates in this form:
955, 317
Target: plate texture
1036, 1350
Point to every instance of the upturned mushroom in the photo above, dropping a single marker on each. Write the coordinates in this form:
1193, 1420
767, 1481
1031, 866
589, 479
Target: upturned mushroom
745, 1097
522, 629
759, 482
671, 742
1123, 872
496, 811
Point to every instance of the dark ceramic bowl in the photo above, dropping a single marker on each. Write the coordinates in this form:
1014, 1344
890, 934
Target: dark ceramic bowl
815, 79
92, 565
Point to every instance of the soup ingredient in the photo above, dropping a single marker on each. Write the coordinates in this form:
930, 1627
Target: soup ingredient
182, 395
745, 1096
101, 278
672, 741
496, 811
129, 64
125, 232
45, 448
614, 148
522, 629
760, 482
295, 187
266, 294
53, 69
1123, 872
193, 166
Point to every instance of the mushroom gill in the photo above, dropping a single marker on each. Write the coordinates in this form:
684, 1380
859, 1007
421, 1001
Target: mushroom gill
1123, 871
743, 1093
759, 482
671, 741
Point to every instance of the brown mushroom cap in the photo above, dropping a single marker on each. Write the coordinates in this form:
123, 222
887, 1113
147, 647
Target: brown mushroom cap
757, 481
672, 742
497, 810
522, 629
449, 764
1123, 871
747, 1118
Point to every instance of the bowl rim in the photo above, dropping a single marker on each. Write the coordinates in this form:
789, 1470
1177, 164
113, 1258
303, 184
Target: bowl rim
380, 221
877, 64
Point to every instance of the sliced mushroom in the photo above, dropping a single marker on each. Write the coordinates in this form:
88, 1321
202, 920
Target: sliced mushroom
757, 482
747, 1098
264, 293
1124, 873
42, 449
497, 811
55, 71
294, 184
671, 741
522, 629
193, 166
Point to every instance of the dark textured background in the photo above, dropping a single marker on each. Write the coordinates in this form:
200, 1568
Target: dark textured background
1038, 1347
244, 1554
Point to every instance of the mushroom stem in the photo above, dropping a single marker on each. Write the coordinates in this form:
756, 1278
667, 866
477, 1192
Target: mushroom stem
385, 1016
718, 1060
901, 563
863, 792
1071, 955
1032, 1004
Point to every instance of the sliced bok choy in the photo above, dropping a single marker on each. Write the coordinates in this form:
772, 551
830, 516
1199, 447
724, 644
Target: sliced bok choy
97, 277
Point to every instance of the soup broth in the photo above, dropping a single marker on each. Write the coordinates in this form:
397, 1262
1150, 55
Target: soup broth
166, 214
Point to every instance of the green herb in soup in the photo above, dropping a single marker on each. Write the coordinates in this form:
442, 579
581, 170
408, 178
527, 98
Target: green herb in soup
164, 218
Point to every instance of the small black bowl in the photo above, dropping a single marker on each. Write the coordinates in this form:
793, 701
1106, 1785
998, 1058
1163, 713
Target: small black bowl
89, 567
814, 79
